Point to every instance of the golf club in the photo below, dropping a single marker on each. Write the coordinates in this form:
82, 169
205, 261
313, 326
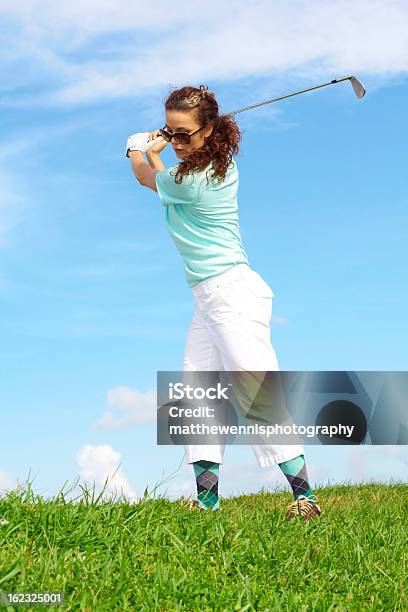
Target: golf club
356, 84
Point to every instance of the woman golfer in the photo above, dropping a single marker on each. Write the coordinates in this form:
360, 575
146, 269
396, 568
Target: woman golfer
230, 328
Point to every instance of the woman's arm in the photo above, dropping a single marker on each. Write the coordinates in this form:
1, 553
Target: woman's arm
145, 174
154, 161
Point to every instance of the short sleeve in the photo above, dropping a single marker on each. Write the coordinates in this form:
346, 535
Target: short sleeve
170, 192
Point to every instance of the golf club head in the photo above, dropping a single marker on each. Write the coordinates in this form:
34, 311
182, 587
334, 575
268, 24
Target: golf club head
357, 86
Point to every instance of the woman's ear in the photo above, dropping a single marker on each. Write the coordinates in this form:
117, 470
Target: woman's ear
208, 131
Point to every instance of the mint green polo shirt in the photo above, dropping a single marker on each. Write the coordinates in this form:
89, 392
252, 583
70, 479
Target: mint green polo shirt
203, 221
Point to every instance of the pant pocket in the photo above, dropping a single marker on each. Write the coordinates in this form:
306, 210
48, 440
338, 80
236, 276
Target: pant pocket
223, 303
250, 298
257, 286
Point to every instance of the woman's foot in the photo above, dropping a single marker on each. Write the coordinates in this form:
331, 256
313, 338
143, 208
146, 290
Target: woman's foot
194, 505
305, 507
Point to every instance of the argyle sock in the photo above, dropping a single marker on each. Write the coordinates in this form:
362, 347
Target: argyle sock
206, 473
296, 473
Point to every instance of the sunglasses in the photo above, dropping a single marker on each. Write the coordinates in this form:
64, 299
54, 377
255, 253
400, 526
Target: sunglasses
179, 137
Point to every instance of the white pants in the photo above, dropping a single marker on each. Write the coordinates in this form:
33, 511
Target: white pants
230, 331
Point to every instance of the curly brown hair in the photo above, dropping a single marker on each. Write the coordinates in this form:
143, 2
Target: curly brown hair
220, 145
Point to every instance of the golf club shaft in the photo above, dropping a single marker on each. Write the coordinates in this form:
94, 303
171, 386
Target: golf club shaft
288, 95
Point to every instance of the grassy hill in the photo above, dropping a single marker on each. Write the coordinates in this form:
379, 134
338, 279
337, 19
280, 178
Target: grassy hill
157, 555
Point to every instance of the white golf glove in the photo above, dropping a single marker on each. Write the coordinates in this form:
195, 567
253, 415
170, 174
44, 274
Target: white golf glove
140, 142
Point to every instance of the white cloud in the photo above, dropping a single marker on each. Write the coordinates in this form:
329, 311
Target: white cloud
90, 51
128, 407
99, 463
90, 17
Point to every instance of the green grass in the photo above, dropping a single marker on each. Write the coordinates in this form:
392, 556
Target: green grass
157, 555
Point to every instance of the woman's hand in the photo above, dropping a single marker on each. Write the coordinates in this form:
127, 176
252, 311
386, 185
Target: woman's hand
159, 145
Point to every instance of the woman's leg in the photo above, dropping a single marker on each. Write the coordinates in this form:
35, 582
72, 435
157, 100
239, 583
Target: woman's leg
200, 354
240, 318
242, 338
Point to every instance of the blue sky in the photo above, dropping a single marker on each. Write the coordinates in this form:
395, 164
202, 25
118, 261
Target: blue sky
93, 295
